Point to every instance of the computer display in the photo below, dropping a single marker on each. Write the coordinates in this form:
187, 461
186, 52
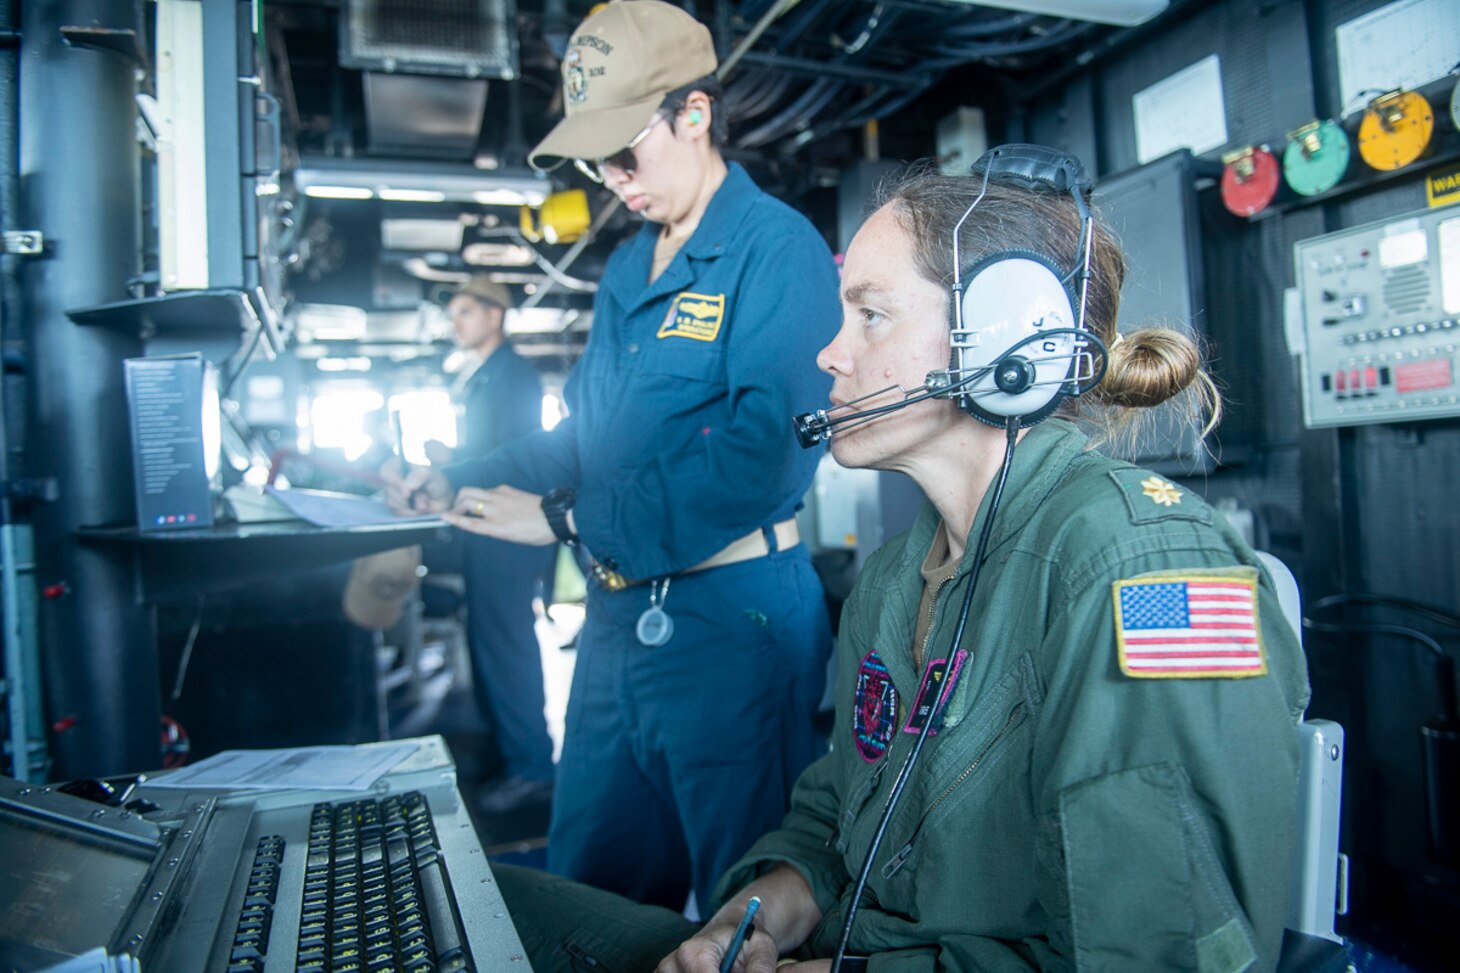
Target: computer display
64, 889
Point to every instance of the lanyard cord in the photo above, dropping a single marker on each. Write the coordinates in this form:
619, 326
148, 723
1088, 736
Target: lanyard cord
945, 692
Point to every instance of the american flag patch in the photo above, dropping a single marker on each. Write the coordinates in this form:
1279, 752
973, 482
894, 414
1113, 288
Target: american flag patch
1188, 628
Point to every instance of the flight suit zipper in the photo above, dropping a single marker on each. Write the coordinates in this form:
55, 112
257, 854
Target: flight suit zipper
932, 613
874, 780
870, 784
895, 863
855, 804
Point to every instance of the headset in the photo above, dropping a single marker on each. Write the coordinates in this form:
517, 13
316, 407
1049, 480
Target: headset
1019, 348
1019, 345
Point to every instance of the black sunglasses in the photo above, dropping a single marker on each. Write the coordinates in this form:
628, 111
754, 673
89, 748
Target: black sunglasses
623, 160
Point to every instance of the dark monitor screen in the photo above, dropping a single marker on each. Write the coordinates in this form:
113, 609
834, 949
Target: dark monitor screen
1153, 211
63, 890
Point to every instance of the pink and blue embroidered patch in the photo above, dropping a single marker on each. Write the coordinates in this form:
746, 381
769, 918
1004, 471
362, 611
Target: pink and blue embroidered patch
874, 709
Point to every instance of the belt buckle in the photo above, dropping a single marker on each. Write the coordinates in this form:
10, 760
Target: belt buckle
609, 578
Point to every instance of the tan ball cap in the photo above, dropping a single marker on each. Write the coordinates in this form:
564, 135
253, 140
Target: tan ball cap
482, 287
620, 64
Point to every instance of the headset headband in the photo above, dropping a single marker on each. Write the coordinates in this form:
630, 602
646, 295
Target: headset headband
1035, 164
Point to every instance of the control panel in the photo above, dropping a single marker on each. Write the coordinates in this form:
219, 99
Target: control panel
1381, 321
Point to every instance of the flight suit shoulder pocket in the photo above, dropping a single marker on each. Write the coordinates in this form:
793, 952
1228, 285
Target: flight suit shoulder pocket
1139, 867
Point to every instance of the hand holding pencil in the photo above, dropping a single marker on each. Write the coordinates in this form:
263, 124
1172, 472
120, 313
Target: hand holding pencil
772, 915
742, 933
716, 948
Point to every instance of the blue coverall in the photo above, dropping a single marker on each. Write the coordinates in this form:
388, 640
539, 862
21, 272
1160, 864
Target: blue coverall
501, 402
678, 442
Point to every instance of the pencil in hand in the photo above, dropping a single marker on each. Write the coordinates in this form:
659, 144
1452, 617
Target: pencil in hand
742, 933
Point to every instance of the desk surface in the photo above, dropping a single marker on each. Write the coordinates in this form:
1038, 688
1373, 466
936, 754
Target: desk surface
180, 563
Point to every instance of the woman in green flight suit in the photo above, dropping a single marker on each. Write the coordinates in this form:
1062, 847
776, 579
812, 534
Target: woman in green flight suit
1112, 785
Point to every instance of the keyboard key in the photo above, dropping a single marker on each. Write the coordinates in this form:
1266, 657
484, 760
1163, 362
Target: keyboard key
245, 951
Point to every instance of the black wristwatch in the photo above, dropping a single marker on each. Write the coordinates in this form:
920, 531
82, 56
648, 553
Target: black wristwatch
555, 506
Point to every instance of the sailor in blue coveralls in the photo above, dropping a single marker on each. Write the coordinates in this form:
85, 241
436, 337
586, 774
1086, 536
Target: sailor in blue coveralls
502, 401
703, 656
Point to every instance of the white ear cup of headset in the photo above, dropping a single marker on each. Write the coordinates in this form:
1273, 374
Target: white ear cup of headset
1010, 297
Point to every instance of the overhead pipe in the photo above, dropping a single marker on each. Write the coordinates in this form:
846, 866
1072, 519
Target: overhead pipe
775, 91
955, 56
859, 114
799, 114
737, 96
983, 28
843, 72
555, 275
869, 30
812, 100
801, 23
727, 67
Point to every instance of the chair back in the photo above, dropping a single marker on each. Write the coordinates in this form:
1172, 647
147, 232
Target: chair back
1320, 875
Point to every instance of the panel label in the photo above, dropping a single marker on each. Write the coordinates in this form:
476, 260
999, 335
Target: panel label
1422, 376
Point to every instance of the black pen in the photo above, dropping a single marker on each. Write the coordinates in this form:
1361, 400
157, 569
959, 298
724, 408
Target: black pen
400, 442
400, 448
742, 933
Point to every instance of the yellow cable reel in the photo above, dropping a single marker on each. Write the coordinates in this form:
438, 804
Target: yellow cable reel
1395, 130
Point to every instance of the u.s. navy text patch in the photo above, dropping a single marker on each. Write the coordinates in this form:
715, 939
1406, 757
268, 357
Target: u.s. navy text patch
696, 316
1188, 627
874, 709
929, 690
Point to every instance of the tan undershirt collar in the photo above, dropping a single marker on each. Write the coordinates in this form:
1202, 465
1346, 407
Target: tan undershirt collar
665, 249
938, 569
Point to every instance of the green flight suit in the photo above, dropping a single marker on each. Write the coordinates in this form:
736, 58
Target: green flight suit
1067, 815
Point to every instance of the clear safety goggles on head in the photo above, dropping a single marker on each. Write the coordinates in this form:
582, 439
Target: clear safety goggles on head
622, 160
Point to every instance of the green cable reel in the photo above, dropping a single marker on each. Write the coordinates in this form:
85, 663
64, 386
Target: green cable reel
1316, 158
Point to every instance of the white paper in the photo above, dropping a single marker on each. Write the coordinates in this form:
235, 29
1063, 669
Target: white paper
1293, 333
97, 961
1403, 45
1184, 110
327, 509
1448, 233
341, 768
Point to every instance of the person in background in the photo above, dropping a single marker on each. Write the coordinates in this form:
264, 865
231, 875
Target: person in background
703, 655
1110, 785
500, 402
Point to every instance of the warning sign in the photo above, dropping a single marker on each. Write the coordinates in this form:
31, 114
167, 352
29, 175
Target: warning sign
1442, 186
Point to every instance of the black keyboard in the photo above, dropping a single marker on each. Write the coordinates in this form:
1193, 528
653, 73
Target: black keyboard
251, 938
376, 894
